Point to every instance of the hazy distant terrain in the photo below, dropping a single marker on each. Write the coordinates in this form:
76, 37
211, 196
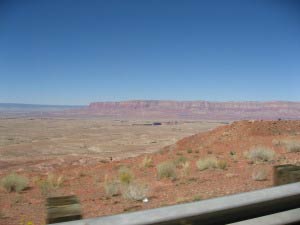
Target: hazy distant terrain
196, 109
15, 109
157, 109
25, 139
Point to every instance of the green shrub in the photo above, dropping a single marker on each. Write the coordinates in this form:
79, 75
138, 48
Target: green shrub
125, 175
207, 163
166, 170
14, 182
260, 154
147, 162
135, 191
189, 151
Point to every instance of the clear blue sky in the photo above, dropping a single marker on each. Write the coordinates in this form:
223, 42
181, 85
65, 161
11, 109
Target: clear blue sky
76, 52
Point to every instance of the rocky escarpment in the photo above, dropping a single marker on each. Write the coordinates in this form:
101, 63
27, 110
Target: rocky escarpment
196, 109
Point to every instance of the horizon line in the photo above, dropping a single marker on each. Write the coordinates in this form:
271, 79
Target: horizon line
146, 100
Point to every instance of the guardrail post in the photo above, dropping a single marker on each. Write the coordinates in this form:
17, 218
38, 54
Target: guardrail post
286, 174
63, 209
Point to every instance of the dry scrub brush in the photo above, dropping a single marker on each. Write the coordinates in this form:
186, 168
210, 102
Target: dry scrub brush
147, 162
291, 145
14, 182
180, 161
125, 175
111, 187
260, 174
211, 163
135, 191
260, 154
52, 182
166, 170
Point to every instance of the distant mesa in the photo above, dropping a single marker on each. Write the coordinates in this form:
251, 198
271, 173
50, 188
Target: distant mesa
195, 109
167, 110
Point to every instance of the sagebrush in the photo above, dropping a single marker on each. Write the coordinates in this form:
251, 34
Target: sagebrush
111, 188
125, 175
291, 145
147, 162
260, 154
135, 191
166, 170
207, 163
14, 182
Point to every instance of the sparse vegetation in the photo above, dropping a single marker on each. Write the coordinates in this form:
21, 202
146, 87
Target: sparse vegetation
185, 169
179, 161
111, 188
125, 175
52, 182
260, 175
211, 163
189, 151
135, 191
260, 154
222, 164
14, 182
166, 170
291, 145
180, 200
207, 163
147, 162
55, 181
197, 198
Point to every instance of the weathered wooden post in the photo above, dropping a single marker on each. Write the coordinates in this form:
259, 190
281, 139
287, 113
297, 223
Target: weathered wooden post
63, 209
285, 174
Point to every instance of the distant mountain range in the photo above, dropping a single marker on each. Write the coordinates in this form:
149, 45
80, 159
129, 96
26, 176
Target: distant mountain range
158, 109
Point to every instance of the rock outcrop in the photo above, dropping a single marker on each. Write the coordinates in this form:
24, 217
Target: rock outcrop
196, 109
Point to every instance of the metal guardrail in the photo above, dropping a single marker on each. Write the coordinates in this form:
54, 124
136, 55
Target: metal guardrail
281, 201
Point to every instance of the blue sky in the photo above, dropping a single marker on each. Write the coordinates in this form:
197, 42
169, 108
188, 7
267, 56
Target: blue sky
76, 52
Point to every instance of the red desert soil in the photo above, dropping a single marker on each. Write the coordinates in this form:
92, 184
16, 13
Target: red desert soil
86, 181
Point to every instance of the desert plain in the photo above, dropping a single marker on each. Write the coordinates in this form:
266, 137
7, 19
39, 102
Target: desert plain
100, 159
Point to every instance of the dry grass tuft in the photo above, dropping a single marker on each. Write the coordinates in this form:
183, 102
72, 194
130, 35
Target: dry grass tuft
166, 170
260, 175
125, 175
14, 182
179, 161
291, 145
135, 191
207, 163
260, 154
147, 162
222, 164
52, 182
185, 170
111, 187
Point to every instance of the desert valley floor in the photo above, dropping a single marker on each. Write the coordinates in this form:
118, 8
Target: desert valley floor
86, 157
